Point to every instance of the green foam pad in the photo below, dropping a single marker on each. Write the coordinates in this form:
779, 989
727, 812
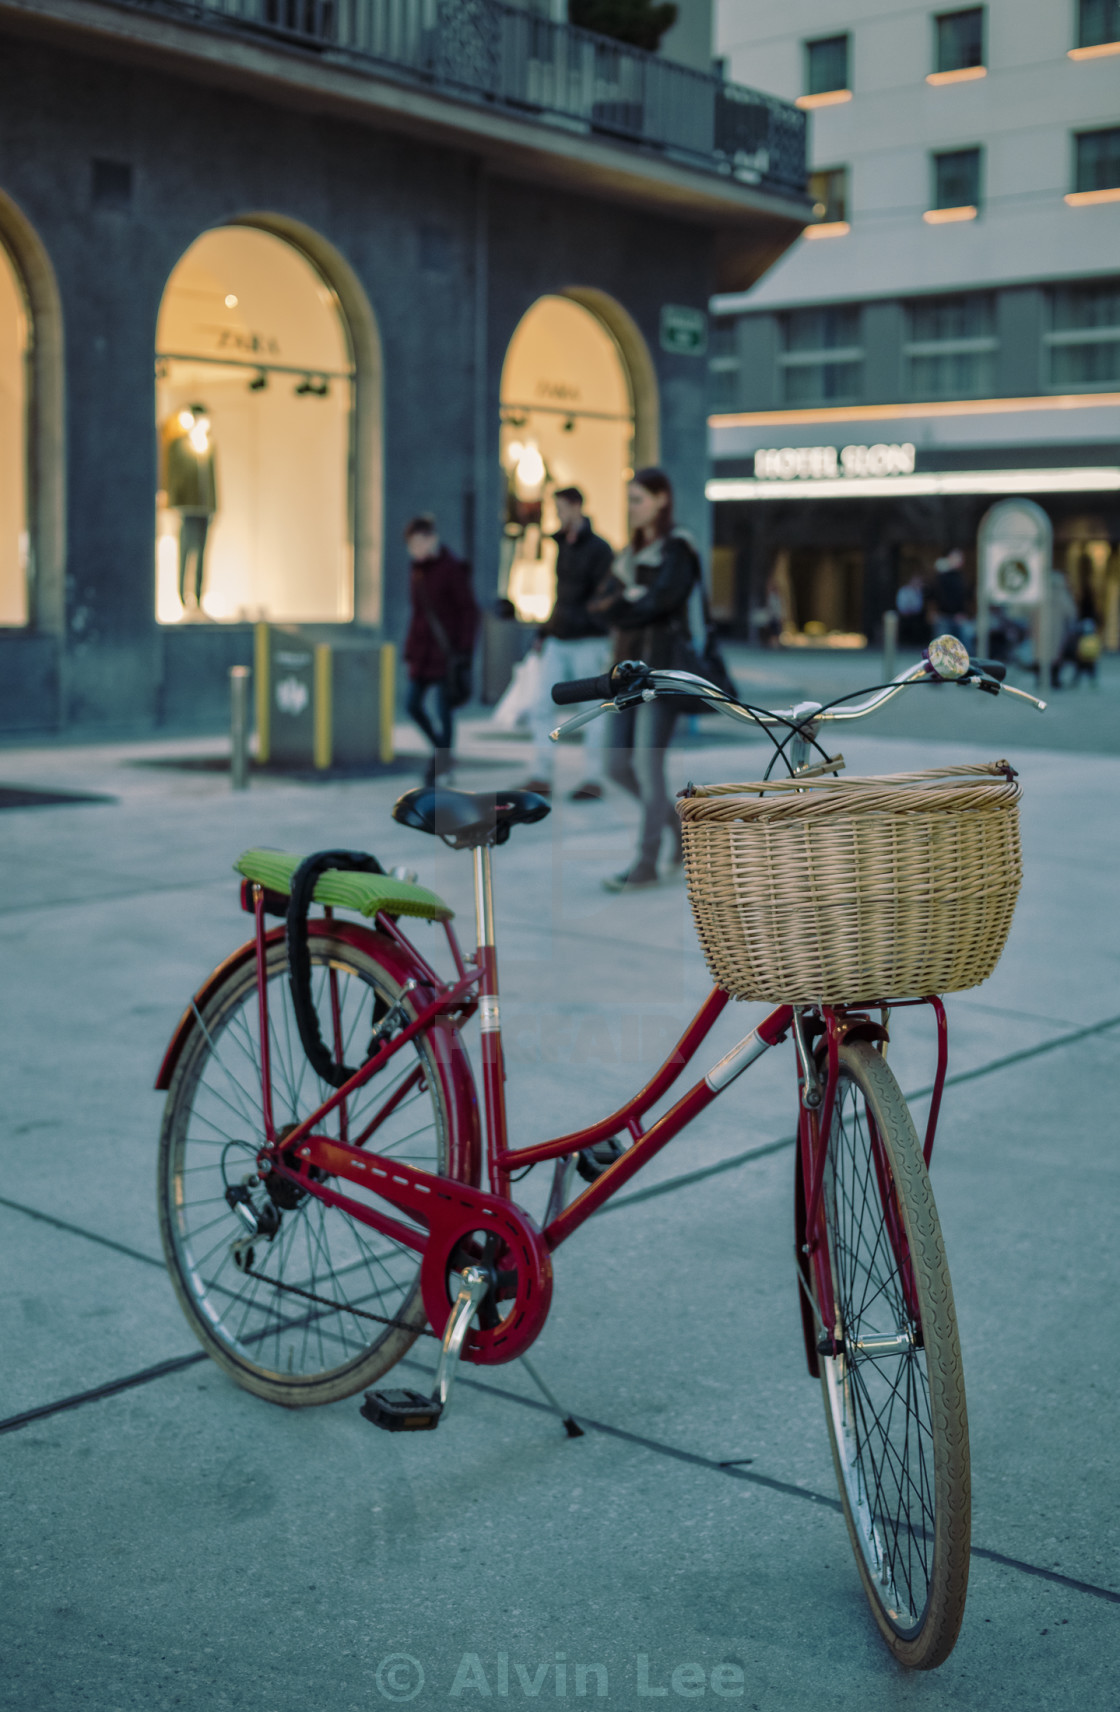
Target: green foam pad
366, 893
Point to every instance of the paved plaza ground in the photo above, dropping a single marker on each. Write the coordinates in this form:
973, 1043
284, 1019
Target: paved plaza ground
171, 1541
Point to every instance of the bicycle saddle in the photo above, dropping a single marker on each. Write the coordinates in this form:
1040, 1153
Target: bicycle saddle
466, 820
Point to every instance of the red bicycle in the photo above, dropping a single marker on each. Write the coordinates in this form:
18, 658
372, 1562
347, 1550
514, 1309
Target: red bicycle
321, 1191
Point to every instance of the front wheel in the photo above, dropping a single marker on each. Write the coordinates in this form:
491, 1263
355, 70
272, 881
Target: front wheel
894, 1389
297, 1312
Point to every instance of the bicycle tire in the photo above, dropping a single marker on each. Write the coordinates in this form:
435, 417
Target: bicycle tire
897, 1419
280, 1345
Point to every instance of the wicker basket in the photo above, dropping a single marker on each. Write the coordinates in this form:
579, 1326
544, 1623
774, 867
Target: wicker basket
846, 890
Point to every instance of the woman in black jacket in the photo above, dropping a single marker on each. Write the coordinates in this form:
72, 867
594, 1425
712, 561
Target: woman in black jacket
646, 604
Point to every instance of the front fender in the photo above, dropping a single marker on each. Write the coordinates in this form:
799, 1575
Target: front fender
453, 1065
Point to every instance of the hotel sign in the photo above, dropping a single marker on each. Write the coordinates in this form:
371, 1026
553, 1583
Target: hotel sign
814, 463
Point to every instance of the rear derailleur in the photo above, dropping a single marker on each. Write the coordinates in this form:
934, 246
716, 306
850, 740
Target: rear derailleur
259, 1221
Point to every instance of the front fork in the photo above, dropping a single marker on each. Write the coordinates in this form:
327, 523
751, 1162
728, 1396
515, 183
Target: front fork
818, 1082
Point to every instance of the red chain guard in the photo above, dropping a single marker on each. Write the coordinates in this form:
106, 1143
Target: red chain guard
450, 1212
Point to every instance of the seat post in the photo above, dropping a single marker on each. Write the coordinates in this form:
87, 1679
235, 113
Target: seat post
483, 896
493, 1066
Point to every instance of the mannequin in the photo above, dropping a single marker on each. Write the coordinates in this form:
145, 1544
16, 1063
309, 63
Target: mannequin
190, 487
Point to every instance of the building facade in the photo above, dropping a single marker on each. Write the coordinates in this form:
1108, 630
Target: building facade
947, 331
275, 275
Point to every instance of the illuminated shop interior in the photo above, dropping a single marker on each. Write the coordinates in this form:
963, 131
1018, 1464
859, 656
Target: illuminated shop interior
14, 538
255, 400
567, 421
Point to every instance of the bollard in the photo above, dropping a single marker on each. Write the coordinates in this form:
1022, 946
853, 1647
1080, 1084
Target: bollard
239, 727
890, 646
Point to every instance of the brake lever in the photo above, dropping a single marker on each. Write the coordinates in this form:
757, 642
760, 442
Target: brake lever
1009, 689
993, 687
583, 718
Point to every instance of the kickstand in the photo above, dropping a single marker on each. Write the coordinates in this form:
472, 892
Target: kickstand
573, 1430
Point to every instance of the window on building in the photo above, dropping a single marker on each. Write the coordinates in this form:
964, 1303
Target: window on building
822, 357
1097, 164
956, 179
828, 192
1083, 339
959, 40
255, 404
826, 65
1098, 22
950, 349
723, 364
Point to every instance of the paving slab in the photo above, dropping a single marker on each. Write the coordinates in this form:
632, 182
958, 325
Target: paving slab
180, 1543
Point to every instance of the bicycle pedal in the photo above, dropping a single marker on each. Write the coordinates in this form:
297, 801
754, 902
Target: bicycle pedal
402, 1411
593, 1161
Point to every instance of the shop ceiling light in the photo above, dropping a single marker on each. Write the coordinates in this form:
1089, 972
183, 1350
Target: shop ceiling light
1097, 51
828, 229
1086, 198
927, 484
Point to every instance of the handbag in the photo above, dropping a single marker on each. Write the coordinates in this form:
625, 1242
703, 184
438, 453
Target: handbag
696, 649
457, 677
522, 696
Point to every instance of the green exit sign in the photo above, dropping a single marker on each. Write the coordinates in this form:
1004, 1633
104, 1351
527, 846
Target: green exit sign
683, 331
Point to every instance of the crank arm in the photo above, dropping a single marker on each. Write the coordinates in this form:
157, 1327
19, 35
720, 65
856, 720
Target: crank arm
471, 1293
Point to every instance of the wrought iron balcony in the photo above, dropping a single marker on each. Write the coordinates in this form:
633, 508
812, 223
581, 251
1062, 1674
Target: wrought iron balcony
486, 51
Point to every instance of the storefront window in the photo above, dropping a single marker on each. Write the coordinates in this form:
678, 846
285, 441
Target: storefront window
15, 544
255, 401
567, 421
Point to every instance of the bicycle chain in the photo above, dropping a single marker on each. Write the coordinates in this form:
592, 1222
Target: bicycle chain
340, 1307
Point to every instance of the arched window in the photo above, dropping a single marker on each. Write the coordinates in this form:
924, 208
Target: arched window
15, 535
255, 413
569, 408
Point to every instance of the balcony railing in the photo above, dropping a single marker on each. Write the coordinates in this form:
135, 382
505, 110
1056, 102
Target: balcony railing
503, 56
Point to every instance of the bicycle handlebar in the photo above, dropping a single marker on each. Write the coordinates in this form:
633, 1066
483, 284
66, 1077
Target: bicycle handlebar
583, 689
945, 660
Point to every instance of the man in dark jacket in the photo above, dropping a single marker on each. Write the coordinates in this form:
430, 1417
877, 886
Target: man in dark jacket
573, 643
440, 640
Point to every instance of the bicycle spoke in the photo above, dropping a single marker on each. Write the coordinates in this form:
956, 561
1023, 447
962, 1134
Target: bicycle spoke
351, 1268
879, 1400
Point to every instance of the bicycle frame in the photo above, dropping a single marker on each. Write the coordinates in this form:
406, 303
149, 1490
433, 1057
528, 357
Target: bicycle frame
435, 1204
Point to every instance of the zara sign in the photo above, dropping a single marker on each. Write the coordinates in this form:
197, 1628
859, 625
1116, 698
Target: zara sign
809, 463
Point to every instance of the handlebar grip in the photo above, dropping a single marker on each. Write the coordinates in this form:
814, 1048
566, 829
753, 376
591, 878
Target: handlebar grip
583, 689
990, 668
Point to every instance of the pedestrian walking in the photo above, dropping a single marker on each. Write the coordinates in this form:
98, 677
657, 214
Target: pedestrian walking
440, 639
949, 594
573, 642
646, 604
910, 604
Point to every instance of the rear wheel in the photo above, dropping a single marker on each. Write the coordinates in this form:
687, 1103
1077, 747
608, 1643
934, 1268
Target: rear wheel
249, 1297
894, 1392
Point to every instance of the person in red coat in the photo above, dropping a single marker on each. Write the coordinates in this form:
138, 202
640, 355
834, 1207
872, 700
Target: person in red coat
440, 640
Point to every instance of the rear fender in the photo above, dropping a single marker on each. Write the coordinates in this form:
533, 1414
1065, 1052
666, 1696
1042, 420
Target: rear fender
448, 1051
